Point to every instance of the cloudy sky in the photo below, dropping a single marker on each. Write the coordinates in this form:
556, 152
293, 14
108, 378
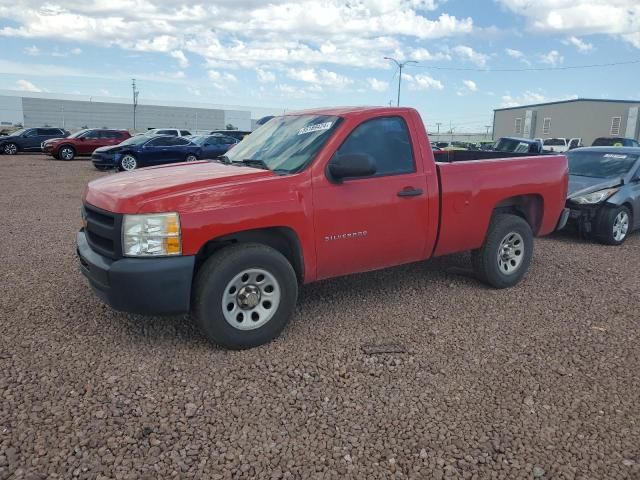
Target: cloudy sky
295, 54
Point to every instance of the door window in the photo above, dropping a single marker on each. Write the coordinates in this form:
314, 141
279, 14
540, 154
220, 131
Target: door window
179, 141
160, 142
184, 133
386, 140
32, 133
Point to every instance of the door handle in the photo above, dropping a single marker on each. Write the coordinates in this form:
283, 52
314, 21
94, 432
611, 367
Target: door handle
410, 192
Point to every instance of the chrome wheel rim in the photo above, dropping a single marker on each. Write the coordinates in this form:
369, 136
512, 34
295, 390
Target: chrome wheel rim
129, 163
251, 299
10, 149
620, 226
510, 253
66, 153
192, 158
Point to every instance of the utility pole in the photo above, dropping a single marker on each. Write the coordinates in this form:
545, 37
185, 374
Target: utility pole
487, 127
63, 122
438, 126
400, 67
135, 101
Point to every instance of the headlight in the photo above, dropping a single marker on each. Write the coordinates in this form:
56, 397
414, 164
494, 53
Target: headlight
152, 235
595, 197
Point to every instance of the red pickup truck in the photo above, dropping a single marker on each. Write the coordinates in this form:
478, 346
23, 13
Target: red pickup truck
308, 196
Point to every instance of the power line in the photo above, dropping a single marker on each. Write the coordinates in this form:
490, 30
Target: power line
529, 69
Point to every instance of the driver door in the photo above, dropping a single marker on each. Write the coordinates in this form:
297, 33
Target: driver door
377, 221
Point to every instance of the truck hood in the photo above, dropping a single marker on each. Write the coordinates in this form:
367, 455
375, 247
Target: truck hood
127, 192
579, 185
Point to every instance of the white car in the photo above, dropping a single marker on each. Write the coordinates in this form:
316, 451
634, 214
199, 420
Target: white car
168, 131
560, 144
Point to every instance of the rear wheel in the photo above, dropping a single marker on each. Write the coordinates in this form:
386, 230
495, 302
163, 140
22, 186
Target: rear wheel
127, 163
613, 226
191, 158
244, 295
10, 149
506, 254
66, 152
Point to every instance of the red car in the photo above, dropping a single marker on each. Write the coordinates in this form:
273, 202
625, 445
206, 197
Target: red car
308, 196
83, 142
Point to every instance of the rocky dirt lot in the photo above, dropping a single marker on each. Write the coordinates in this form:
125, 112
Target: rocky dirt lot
540, 381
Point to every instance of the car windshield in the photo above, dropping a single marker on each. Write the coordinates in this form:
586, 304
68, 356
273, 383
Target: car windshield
600, 164
285, 144
554, 142
17, 133
197, 139
79, 134
137, 140
511, 145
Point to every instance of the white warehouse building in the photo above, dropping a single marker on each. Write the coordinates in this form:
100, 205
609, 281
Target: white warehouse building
74, 112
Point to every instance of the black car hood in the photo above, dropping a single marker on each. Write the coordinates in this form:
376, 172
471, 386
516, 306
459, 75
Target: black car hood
8, 138
579, 185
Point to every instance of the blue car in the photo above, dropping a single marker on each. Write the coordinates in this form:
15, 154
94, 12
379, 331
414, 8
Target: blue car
213, 145
146, 151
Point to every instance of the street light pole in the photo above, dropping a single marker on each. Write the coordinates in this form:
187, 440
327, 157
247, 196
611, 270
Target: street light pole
400, 67
135, 101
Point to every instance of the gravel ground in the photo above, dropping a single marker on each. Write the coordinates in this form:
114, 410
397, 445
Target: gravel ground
539, 381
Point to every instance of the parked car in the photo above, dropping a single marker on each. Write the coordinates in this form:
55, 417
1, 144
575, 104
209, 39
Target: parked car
518, 145
144, 150
307, 196
83, 142
615, 142
604, 192
213, 145
560, 144
167, 131
237, 134
29, 139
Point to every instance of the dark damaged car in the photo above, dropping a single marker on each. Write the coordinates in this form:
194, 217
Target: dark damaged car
604, 192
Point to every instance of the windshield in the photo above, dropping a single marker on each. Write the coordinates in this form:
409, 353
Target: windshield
600, 164
554, 142
79, 134
17, 133
197, 139
137, 140
511, 145
286, 144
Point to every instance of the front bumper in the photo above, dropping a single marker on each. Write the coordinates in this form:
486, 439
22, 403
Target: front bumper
47, 148
583, 216
103, 160
148, 286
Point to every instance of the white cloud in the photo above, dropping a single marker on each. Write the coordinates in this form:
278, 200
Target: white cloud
265, 76
322, 77
422, 54
529, 97
620, 18
182, 59
470, 54
377, 85
470, 85
514, 53
76, 51
27, 86
552, 58
582, 46
221, 80
32, 50
422, 82
248, 34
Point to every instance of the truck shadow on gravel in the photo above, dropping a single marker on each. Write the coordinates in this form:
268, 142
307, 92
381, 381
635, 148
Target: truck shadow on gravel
341, 293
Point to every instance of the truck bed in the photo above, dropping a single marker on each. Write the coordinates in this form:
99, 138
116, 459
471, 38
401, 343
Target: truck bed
472, 190
451, 156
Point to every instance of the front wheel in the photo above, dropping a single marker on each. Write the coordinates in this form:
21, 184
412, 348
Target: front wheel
614, 225
10, 149
506, 254
127, 163
244, 295
66, 153
191, 158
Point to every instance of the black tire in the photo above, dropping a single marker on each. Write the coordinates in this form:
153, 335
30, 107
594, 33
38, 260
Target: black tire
10, 148
489, 266
125, 164
191, 158
66, 153
605, 232
210, 287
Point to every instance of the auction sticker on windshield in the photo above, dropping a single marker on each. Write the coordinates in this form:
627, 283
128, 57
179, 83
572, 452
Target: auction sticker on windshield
615, 155
315, 128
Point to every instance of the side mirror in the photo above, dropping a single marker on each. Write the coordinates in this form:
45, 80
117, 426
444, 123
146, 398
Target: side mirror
351, 165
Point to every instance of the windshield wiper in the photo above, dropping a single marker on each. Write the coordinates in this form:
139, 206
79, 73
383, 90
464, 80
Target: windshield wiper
254, 163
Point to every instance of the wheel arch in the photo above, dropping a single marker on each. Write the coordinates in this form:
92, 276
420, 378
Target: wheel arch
530, 207
283, 239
